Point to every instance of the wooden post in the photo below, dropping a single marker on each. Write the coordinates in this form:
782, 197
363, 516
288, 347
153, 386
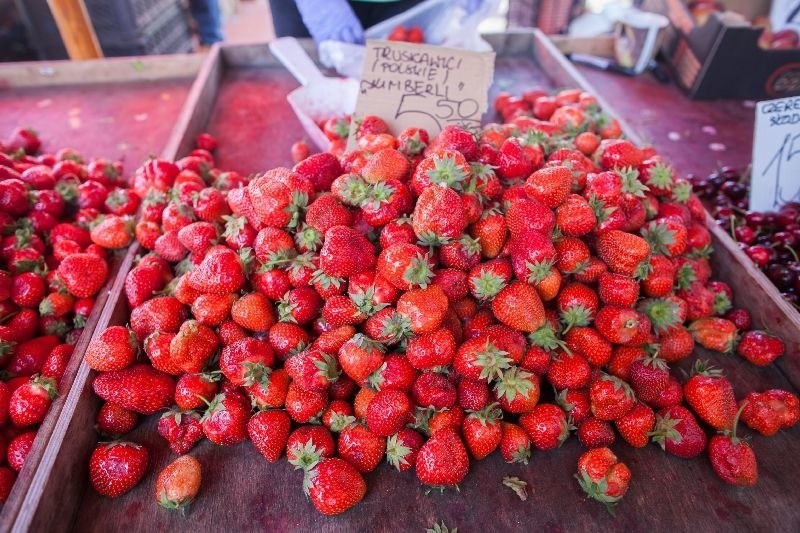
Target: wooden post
76, 29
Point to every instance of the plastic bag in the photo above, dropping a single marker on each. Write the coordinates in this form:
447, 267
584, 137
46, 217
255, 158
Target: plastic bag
444, 23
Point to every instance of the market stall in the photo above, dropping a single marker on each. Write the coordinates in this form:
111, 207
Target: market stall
301, 321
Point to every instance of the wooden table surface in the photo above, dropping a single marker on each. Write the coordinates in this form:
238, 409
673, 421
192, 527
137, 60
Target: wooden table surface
694, 135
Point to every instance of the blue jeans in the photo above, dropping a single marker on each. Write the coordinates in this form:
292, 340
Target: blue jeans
209, 21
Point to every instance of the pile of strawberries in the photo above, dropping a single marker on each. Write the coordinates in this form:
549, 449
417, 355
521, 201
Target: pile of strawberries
61, 220
417, 299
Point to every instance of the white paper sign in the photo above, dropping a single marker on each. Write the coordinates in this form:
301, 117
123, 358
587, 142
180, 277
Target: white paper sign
776, 154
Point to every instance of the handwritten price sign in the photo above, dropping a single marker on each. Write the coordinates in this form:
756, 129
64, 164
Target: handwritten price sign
424, 86
776, 154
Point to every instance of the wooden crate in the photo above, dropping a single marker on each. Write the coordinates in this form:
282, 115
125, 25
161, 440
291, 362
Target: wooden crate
239, 97
44, 95
123, 108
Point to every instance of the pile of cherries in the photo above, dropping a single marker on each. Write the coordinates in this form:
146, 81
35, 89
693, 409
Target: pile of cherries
770, 239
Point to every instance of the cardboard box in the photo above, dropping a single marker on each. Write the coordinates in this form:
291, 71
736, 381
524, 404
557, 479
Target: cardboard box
722, 59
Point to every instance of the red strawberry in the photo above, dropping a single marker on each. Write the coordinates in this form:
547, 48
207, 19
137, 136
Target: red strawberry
269, 431
114, 349
117, 467
550, 185
624, 253
519, 306
346, 252
732, 458
361, 447
442, 461
139, 388
635, 426
388, 412
714, 334
402, 449
18, 449
678, 432
225, 420
710, 395
621, 325
113, 420
438, 216
602, 477
759, 347
181, 429
649, 377
515, 445
83, 274
30, 402
546, 425
482, 431
770, 411
334, 486
222, 271
611, 398
595, 433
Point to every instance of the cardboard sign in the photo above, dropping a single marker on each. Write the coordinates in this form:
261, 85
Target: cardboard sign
424, 86
776, 154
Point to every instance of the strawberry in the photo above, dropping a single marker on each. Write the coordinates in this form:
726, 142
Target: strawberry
388, 412
113, 232
517, 391
635, 425
181, 429
361, 447
225, 421
221, 271
621, 325
550, 186
360, 356
300, 305
602, 477
402, 449
83, 274
346, 252
589, 343
575, 216
678, 432
710, 395
434, 390
307, 444
620, 154
624, 253
18, 449
139, 388
7, 479
759, 347
29, 403
714, 333
192, 347
649, 377
178, 484
334, 486
568, 371
424, 308
577, 304
595, 433
438, 216
269, 431
519, 306
114, 349
302, 405
112, 420
116, 467
482, 432
28, 290
515, 445
611, 398
732, 458
617, 290
442, 461
770, 411
546, 425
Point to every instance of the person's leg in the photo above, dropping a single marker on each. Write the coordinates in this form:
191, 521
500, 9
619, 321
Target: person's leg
286, 19
209, 20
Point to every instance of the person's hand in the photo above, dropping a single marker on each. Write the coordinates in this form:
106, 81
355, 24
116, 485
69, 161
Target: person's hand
331, 20
471, 6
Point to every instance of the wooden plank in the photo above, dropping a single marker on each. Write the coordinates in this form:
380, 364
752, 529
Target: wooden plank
196, 109
92, 72
76, 29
